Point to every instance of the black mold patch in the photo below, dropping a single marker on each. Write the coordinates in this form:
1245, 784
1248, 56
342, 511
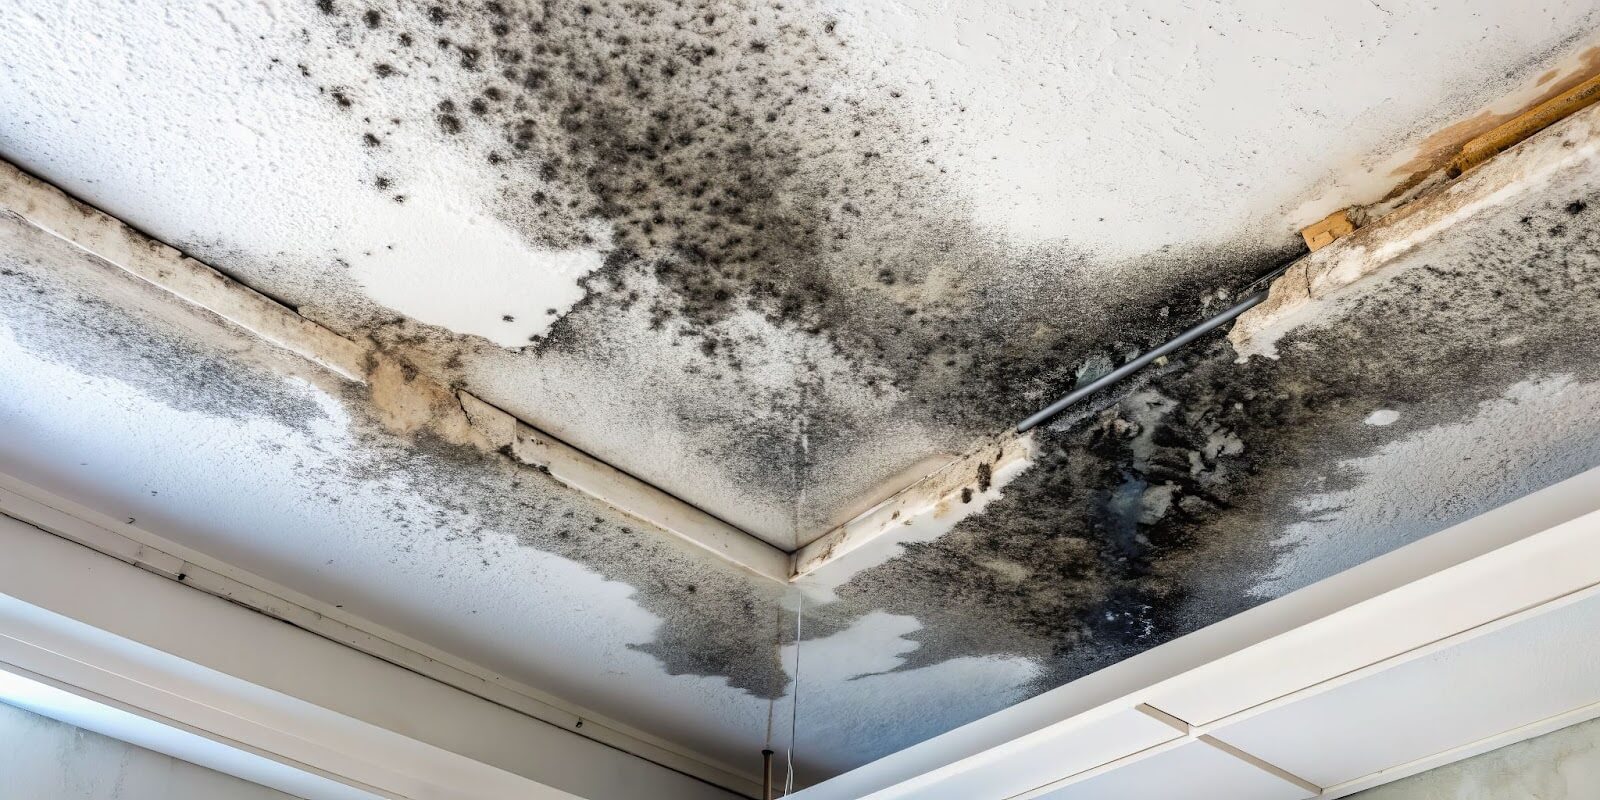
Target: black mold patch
716, 620
698, 144
1154, 512
61, 321
694, 145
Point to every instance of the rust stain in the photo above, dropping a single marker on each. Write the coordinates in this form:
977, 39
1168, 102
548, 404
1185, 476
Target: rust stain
1437, 150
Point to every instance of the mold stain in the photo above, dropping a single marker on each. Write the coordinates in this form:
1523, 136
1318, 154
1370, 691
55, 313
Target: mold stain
697, 141
411, 444
697, 145
1157, 511
724, 183
706, 147
226, 385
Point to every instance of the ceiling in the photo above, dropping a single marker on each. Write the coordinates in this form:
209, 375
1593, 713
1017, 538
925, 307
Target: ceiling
780, 260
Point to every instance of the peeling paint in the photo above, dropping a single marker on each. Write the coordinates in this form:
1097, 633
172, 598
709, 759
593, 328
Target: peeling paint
802, 249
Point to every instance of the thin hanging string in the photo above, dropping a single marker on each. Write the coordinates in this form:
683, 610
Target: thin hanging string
794, 706
772, 699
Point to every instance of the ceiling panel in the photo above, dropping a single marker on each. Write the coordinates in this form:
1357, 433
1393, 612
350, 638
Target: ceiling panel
1483, 687
1081, 748
1195, 771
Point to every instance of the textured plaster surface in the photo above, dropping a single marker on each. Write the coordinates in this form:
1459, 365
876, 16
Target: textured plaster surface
1205, 487
813, 312
771, 257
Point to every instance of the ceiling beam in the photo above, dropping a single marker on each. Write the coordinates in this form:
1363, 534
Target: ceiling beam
942, 498
458, 416
1309, 287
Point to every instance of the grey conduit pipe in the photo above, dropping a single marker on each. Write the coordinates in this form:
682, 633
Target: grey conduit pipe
1141, 362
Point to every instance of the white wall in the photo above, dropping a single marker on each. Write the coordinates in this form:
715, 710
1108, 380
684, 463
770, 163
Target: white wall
1564, 765
42, 759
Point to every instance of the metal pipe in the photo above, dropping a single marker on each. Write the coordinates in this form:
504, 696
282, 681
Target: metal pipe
766, 775
1141, 362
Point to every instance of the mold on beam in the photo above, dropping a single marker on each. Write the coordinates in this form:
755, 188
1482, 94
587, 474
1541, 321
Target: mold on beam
51, 210
406, 400
981, 471
1327, 276
582, 472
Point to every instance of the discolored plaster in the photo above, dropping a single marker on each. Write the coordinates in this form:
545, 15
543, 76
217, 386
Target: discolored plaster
1210, 486
813, 311
935, 258
751, 213
410, 473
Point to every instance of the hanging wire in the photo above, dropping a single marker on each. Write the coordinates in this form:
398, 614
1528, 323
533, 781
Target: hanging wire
772, 703
772, 699
794, 705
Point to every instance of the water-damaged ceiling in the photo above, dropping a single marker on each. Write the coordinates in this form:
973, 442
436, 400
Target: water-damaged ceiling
779, 259
769, 257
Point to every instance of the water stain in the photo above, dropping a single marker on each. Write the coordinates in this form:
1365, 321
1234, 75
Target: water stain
707, 148
1156, 511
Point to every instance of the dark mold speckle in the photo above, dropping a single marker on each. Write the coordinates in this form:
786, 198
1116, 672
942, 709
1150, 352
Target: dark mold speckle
61, 321
1158, 510
692, 135
715, 620
695, 142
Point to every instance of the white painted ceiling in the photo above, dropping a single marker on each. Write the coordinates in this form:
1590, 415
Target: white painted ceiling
1099, 163
1127, 148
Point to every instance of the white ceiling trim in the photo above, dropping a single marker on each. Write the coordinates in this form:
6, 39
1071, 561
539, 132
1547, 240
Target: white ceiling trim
1528, 558
152, 555
88, 710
